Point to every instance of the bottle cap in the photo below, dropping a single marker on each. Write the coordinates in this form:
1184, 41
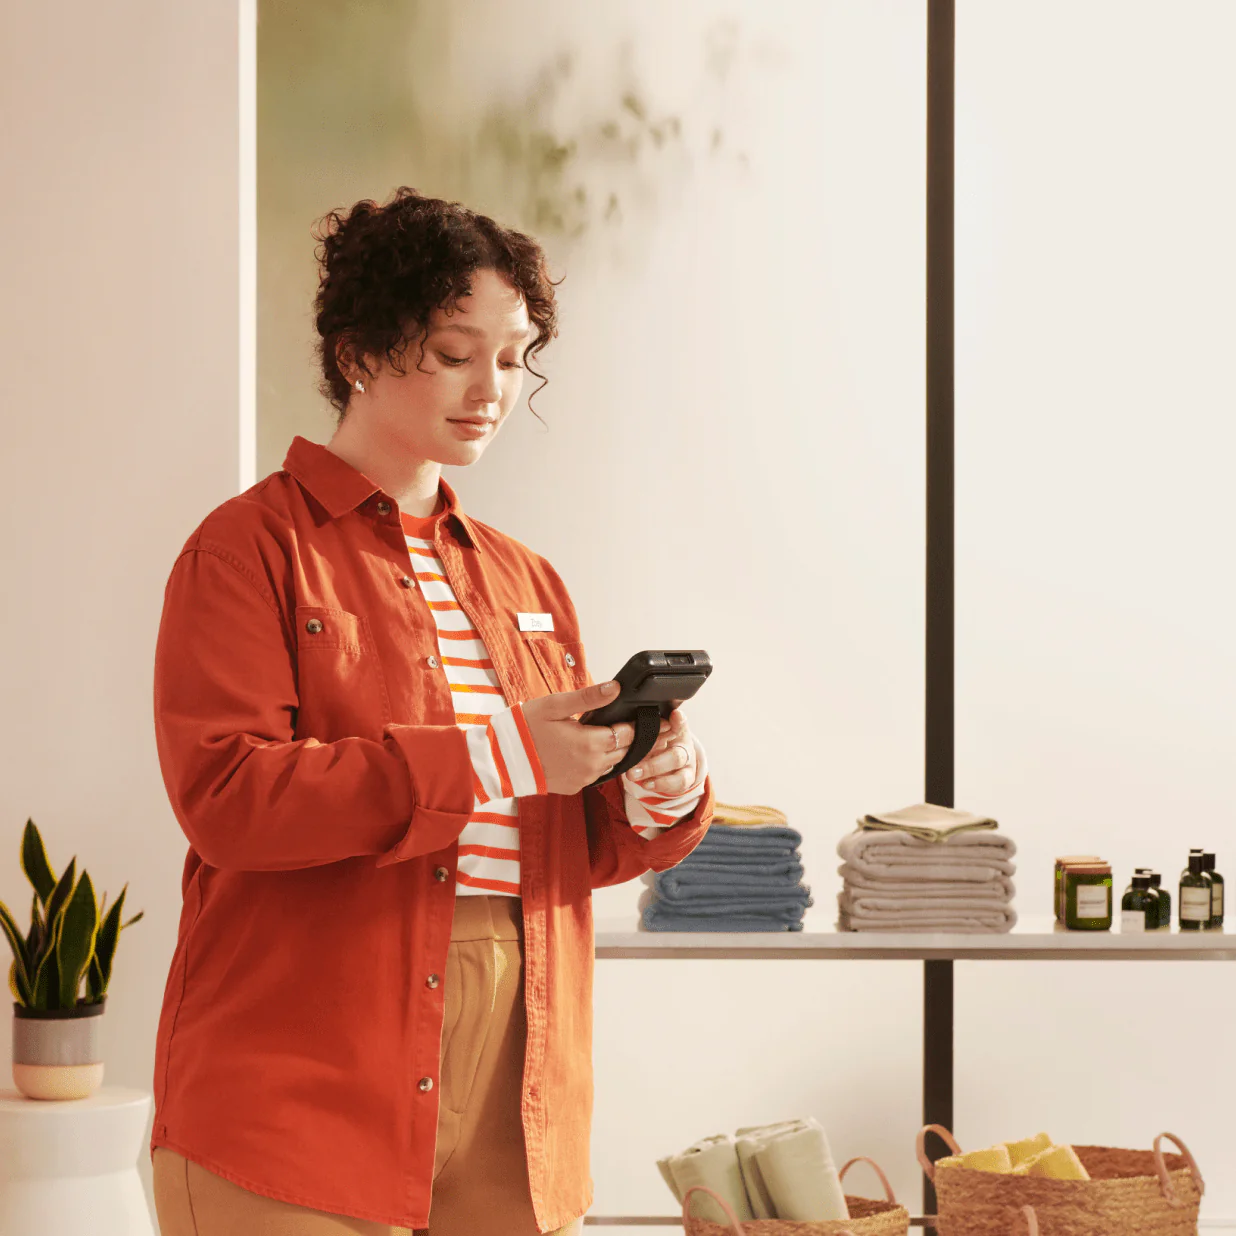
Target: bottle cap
1155, 879
1208, 862
1141, 881
1195, 862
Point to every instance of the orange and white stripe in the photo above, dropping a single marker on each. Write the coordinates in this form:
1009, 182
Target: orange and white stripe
505, 765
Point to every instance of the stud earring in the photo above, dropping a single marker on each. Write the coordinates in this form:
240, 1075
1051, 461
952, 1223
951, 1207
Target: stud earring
360, 386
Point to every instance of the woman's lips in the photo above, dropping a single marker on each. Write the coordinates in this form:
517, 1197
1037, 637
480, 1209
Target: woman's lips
473, 429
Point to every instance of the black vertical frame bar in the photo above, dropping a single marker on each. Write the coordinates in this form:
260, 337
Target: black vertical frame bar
939, 766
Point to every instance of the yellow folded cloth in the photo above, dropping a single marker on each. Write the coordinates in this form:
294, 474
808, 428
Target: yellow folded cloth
730, 813
1054, 1163
993, 1159
1019, 1152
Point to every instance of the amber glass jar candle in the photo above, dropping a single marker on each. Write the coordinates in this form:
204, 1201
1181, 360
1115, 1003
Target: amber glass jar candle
1062, 864
1088, 897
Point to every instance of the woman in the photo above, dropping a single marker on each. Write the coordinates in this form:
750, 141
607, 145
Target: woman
378, 1016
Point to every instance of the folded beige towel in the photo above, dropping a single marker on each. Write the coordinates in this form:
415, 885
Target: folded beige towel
795, 1165
712, 1161
940, 921
969, 857
874, 905
928, 821
856, 880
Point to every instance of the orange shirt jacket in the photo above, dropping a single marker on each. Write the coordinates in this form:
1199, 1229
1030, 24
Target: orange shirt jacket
322, 783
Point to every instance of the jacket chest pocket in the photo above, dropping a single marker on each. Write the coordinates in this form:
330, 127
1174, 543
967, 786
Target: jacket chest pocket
559, 662
340, 683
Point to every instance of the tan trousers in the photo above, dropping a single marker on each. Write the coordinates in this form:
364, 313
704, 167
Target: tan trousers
480, 1181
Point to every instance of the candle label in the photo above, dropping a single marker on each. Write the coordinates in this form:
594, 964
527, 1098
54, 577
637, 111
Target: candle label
1133, 920
1093, 900
1195, 904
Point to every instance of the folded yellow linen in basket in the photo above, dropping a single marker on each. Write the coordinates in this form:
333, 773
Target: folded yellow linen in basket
1054, 1163
1019, 1152
993, 1159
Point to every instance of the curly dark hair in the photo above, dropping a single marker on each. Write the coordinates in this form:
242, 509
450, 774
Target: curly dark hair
385, 268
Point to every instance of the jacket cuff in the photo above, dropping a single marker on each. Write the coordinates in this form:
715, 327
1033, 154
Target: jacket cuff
440, 771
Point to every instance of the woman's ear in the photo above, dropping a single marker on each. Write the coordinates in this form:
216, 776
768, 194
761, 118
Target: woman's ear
345, 358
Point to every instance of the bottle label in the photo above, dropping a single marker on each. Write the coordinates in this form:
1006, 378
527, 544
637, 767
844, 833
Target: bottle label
1218, 908
1133, 920
1093, 901
1195, 904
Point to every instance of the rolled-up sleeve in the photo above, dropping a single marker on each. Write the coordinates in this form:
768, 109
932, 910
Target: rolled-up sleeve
249, 796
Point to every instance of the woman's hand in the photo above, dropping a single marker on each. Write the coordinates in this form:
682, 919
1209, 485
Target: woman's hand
670, 766
575, 755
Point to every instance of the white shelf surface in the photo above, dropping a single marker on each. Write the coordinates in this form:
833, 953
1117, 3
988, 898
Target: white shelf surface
1033, 939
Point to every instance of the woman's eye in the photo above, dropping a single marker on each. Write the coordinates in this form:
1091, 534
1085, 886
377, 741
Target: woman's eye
459, 360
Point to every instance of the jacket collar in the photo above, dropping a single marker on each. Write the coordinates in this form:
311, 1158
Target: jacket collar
340, 488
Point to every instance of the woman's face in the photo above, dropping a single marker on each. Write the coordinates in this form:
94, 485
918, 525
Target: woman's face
450, 408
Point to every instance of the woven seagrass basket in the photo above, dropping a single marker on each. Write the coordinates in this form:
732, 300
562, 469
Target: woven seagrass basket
867, 1216
1141, 1191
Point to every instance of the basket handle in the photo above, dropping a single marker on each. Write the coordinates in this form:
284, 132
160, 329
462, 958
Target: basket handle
1165, 1180
729, 1212
879, 1171
921, 1146
1032, 1220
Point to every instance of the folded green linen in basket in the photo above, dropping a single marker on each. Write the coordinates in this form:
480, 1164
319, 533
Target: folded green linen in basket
783, 1170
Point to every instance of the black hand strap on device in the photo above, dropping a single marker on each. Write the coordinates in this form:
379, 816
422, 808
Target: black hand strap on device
647, 721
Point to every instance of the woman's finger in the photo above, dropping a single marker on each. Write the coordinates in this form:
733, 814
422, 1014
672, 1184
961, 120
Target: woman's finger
675, 757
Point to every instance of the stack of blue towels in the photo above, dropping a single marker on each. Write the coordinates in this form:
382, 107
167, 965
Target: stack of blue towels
738, 878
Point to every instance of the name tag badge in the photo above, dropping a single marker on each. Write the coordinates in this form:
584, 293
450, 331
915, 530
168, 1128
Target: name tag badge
536, 622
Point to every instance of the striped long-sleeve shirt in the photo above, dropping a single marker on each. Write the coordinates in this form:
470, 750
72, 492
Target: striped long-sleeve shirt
504, 759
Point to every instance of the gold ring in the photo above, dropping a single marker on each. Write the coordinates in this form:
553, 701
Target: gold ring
614, 735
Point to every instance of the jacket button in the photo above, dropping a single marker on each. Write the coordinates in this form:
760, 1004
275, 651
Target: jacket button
432, 662
570, 660
432, 981
408, 582
441, 873
426, 1083
384, 508
313, 626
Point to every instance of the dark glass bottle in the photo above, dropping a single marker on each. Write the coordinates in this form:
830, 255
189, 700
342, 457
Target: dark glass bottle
1165, 898
1216, 892
1139, 907
1195, 887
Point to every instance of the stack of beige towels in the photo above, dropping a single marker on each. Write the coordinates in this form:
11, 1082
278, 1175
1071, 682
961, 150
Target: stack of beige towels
772, 1171
927, 868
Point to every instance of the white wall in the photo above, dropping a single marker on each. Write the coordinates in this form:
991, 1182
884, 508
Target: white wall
121, 354
1095, 516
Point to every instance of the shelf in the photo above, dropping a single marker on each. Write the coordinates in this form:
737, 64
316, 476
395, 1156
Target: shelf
1031, 940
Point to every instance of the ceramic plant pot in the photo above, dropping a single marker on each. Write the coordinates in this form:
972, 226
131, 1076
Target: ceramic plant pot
56, 1054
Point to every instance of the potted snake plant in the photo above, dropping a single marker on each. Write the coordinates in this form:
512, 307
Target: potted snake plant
70, 943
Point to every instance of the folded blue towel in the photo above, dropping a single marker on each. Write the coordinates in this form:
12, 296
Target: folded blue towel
757, 874
678, 883
786, 901
657, 918
752, 844
751, 838
737, 865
